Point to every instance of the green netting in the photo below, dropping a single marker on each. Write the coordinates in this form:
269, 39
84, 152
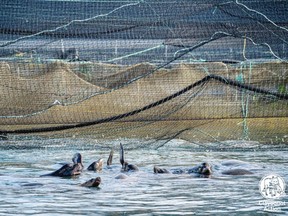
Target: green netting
201, 71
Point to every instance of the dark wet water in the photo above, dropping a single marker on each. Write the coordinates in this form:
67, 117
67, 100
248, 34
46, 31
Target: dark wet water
23, 192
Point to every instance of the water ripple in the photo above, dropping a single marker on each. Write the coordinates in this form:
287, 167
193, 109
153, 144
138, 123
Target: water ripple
23, 192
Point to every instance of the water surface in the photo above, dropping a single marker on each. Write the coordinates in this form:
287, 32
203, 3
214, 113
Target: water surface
24, 192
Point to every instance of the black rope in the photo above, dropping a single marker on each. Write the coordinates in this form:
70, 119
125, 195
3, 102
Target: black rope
248, 87
149, 106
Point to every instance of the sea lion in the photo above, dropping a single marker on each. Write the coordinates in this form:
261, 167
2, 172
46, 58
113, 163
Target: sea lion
121, 176
237, 168
160, 170
68, 170
96, 165
237, 171
94, 182
202, 170
126, 167
109, 161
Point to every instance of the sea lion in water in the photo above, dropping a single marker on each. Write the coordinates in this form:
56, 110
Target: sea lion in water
238, 168
96, 165
126, 167
160, 170
204, 169
109, 161
94, 182
68, 170
121, 176
237, 171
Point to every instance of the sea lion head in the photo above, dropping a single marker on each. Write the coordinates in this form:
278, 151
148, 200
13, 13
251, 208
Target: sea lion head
94, 182
205, 169
96, 166
75, 170
77, 158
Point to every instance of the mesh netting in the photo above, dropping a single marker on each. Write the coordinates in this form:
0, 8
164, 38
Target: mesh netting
201, 71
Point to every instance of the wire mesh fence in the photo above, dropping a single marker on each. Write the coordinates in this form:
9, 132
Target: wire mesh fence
201, 71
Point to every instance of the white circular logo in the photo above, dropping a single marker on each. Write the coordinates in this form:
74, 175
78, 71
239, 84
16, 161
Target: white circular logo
272, 186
